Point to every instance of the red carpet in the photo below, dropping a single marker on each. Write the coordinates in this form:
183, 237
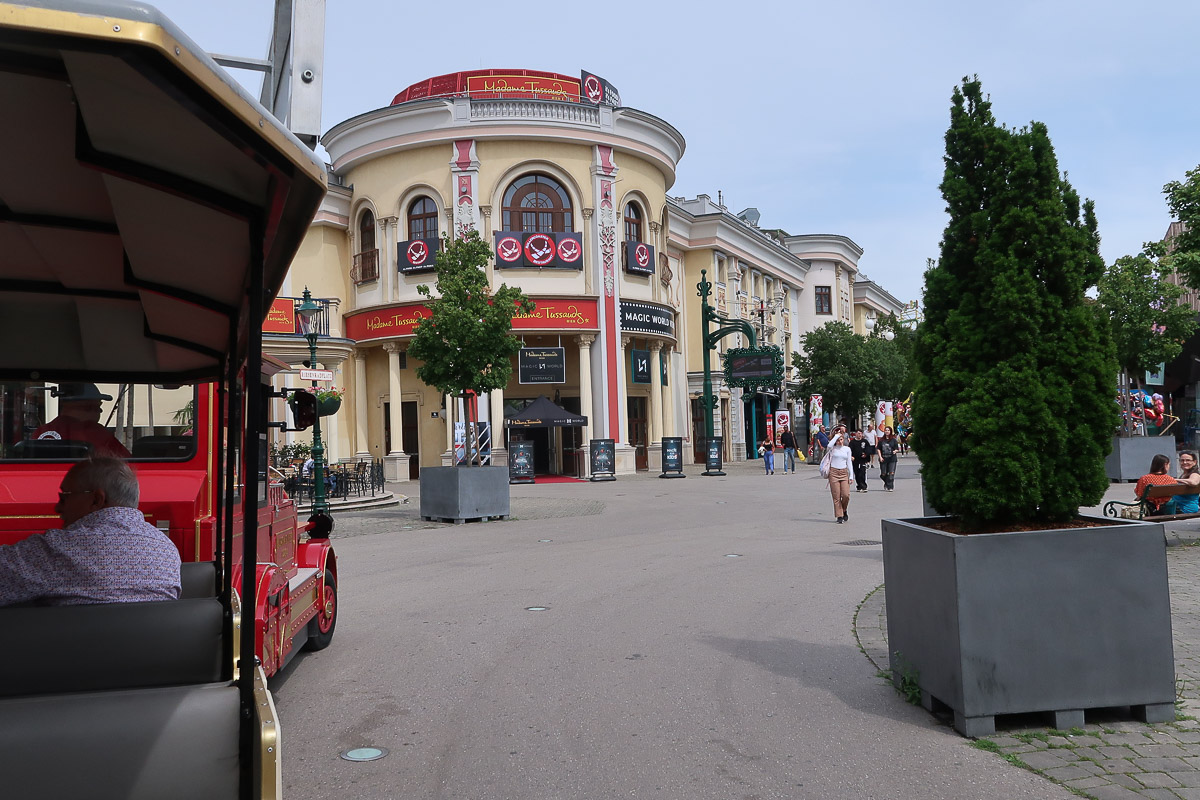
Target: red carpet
556, 479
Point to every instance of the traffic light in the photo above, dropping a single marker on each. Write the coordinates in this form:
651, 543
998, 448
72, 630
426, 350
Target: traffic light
304, 410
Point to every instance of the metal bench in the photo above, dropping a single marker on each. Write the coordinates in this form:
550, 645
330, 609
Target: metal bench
1144, 507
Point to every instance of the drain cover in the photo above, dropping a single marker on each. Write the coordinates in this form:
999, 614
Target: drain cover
364, 754
860, 543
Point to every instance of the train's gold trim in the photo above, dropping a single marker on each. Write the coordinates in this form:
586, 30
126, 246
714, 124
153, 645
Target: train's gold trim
30, 516
270, 757
118, 29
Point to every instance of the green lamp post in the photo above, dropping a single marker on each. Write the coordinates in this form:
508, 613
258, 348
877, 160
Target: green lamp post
729, 326
309, 311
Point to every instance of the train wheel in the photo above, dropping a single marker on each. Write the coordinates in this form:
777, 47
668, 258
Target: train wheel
320, 630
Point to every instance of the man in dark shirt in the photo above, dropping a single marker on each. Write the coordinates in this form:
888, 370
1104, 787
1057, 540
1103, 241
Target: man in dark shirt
788, 443
859, 458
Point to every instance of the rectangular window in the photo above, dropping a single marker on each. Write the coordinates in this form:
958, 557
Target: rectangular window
824, 298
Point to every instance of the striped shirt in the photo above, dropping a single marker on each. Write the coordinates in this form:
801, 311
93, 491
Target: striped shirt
109, 556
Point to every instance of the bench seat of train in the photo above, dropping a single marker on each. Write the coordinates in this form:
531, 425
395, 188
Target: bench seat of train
120, 700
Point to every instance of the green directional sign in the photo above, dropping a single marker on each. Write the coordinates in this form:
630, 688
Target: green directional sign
754, 367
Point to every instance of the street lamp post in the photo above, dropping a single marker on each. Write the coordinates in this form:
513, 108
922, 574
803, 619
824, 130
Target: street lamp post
309, 311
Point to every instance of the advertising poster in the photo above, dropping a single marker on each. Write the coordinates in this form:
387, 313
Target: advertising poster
782, 420
815, 411
672, 456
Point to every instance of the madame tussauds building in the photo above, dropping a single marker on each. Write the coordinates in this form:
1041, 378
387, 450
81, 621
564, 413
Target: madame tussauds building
569, 187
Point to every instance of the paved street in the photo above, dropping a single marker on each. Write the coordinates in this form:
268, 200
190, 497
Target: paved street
698, 641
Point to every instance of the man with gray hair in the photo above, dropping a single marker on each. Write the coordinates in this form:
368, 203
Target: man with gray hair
105, 552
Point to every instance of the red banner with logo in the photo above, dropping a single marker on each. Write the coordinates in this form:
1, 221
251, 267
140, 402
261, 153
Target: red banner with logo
281, 318
559, 315
552, 315
386, 323
538, 250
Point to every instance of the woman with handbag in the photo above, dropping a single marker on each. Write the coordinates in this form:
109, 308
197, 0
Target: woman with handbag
766, 449
837, 469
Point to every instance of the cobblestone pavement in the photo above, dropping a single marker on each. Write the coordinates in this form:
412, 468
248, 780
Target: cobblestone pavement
1109, 758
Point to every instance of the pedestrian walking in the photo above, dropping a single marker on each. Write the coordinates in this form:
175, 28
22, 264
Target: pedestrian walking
858, 459
766, 449
820, 443
889, 450
788, 442
872, 437
839, 474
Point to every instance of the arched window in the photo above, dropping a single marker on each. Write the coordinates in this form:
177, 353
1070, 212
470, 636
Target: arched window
633, 223
537, 204
366, 232
366, 261
422, 219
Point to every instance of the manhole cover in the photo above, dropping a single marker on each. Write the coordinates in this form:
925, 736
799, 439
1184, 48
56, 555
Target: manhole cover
364, 754
860, 543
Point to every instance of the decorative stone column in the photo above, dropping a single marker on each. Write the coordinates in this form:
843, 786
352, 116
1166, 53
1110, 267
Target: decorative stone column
448, 454
654, 446
387, 257
626, 454
668, 396
395, 463
585, 396
464, 165
496, 406
362, 449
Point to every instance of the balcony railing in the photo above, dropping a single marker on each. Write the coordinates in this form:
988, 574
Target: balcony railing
320, 322
365, 267
553, 111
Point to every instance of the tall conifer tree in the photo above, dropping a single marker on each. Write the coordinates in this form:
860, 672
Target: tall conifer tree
1014, 407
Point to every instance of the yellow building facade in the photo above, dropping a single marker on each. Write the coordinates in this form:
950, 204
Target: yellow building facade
571, 191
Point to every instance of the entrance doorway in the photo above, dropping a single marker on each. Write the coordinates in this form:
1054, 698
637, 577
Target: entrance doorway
637, 432
412, 441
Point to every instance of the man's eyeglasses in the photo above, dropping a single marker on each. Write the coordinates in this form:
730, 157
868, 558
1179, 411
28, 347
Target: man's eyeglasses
62, 496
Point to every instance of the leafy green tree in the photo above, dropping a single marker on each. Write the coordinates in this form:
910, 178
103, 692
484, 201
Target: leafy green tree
1182, 252
832, 364
1142, 311
1141, 307
467, 343
892, 358
1014, 412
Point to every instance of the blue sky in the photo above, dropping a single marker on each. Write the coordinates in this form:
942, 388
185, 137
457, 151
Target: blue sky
828, 118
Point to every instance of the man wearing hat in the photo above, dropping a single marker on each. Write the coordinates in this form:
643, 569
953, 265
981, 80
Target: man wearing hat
78, 420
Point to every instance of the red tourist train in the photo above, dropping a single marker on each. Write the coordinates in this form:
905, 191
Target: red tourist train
179, 471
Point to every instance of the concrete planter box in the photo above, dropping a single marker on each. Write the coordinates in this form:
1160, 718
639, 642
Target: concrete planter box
1130, 457
461, 494
1042, 621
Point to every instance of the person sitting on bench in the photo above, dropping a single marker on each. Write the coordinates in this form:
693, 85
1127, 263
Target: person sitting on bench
1189, 474
105, 552
1159, 475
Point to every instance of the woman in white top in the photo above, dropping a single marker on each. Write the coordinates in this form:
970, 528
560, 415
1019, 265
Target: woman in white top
839, 473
